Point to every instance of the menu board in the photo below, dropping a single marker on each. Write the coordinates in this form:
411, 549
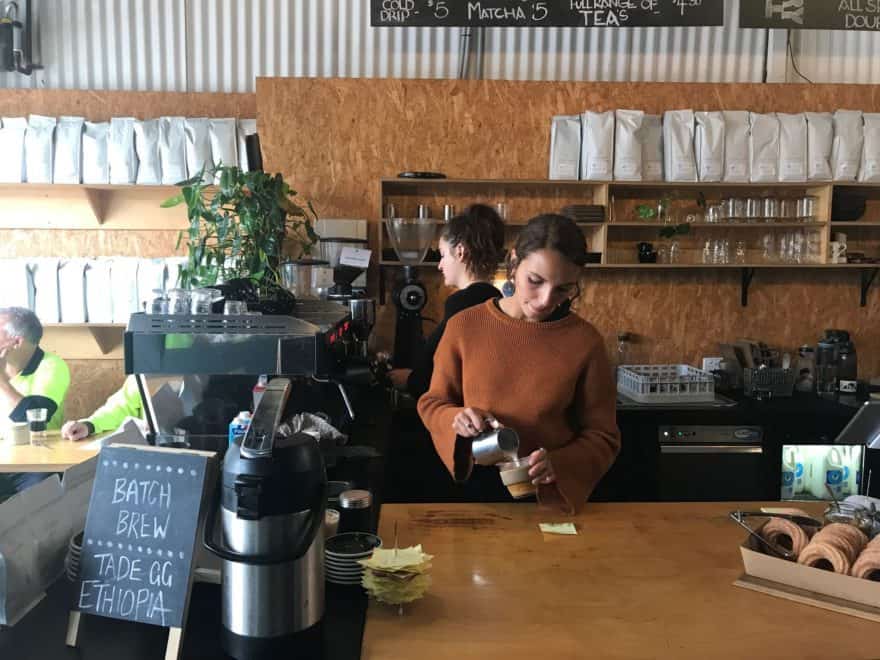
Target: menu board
810, 14
140, 534
545, 13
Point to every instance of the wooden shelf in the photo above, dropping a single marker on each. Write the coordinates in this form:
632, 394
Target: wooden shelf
87, 206
84, 341
725, 225
525, 196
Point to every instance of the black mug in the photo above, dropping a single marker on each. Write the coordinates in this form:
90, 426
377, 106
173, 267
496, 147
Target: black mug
647, 253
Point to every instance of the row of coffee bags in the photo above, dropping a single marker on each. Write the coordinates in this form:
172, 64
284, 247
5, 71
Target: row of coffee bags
124, 150
730, 146
76, 290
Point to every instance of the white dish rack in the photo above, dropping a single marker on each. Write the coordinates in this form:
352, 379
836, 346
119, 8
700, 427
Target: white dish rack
665, 383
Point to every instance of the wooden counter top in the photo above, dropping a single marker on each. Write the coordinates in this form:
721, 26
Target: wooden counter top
639, 581
57, 456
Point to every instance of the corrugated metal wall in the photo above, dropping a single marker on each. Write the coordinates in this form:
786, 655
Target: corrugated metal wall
223, 45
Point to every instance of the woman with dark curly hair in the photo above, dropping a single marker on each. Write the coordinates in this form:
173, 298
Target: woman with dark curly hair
528, 362
471, 247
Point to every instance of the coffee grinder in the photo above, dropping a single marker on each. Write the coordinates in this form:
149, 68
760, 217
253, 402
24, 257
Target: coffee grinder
362, 308
411, 238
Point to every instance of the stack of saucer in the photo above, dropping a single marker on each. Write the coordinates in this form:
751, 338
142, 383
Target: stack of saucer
74, 553
342, 553
585, 213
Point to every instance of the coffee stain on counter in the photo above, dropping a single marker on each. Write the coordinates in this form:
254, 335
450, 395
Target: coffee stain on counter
441, 518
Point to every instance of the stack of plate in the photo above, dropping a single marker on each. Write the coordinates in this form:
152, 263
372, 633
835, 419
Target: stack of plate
74, 553
342, 553
585, 213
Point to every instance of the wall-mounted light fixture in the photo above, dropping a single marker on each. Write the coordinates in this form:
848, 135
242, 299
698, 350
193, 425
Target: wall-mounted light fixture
14, 58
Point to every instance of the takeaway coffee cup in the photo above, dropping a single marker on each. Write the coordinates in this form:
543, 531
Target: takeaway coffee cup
515, 475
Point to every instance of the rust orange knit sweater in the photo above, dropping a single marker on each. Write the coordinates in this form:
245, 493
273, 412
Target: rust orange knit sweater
550, 381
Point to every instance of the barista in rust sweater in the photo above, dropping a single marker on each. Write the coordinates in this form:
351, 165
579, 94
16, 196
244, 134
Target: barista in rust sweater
529, 363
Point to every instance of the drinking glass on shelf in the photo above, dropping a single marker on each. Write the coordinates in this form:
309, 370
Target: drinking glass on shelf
674, 252
714, 214
740, 254
796, 247
501, 208
768, 247
813, 249
707, 252
788, 209
806, 208
782, 248
770, 209
663, 254
754, 209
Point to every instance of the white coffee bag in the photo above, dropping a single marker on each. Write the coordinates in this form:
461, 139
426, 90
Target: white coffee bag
846, 149
95, 152
198, 145
124, 288
627, 146
223, 143
151, 276
820, 136
736, 146
16, 289
763, 147
99, 305
651, 136
122, 153
565, 146
146, 143
172, 150
68, 150
597, 146
72, 290
245, 127
39, 142
869, 172
709, 145
792, 147
678, 145
173, 266
44, 276
12, 165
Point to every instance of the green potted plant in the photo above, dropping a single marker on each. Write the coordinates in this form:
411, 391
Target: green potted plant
238, 227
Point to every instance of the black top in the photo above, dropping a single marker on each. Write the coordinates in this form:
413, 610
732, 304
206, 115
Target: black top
19, 413
420, 379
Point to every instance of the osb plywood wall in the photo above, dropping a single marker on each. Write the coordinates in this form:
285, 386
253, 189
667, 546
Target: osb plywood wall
94, 380
336, 138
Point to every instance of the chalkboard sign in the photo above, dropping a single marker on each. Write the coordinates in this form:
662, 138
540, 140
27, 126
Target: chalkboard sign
810, 14
546, 13
140, 535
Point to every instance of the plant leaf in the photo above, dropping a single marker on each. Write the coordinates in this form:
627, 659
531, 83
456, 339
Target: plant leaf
172, 201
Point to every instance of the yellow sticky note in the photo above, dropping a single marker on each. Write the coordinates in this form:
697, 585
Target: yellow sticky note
558, 528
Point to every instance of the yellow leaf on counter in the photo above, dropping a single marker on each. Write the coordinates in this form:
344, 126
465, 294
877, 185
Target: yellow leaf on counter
558, 528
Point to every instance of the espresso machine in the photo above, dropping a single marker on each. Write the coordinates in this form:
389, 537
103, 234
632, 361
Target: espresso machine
271, 494
272, 501
411, 238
